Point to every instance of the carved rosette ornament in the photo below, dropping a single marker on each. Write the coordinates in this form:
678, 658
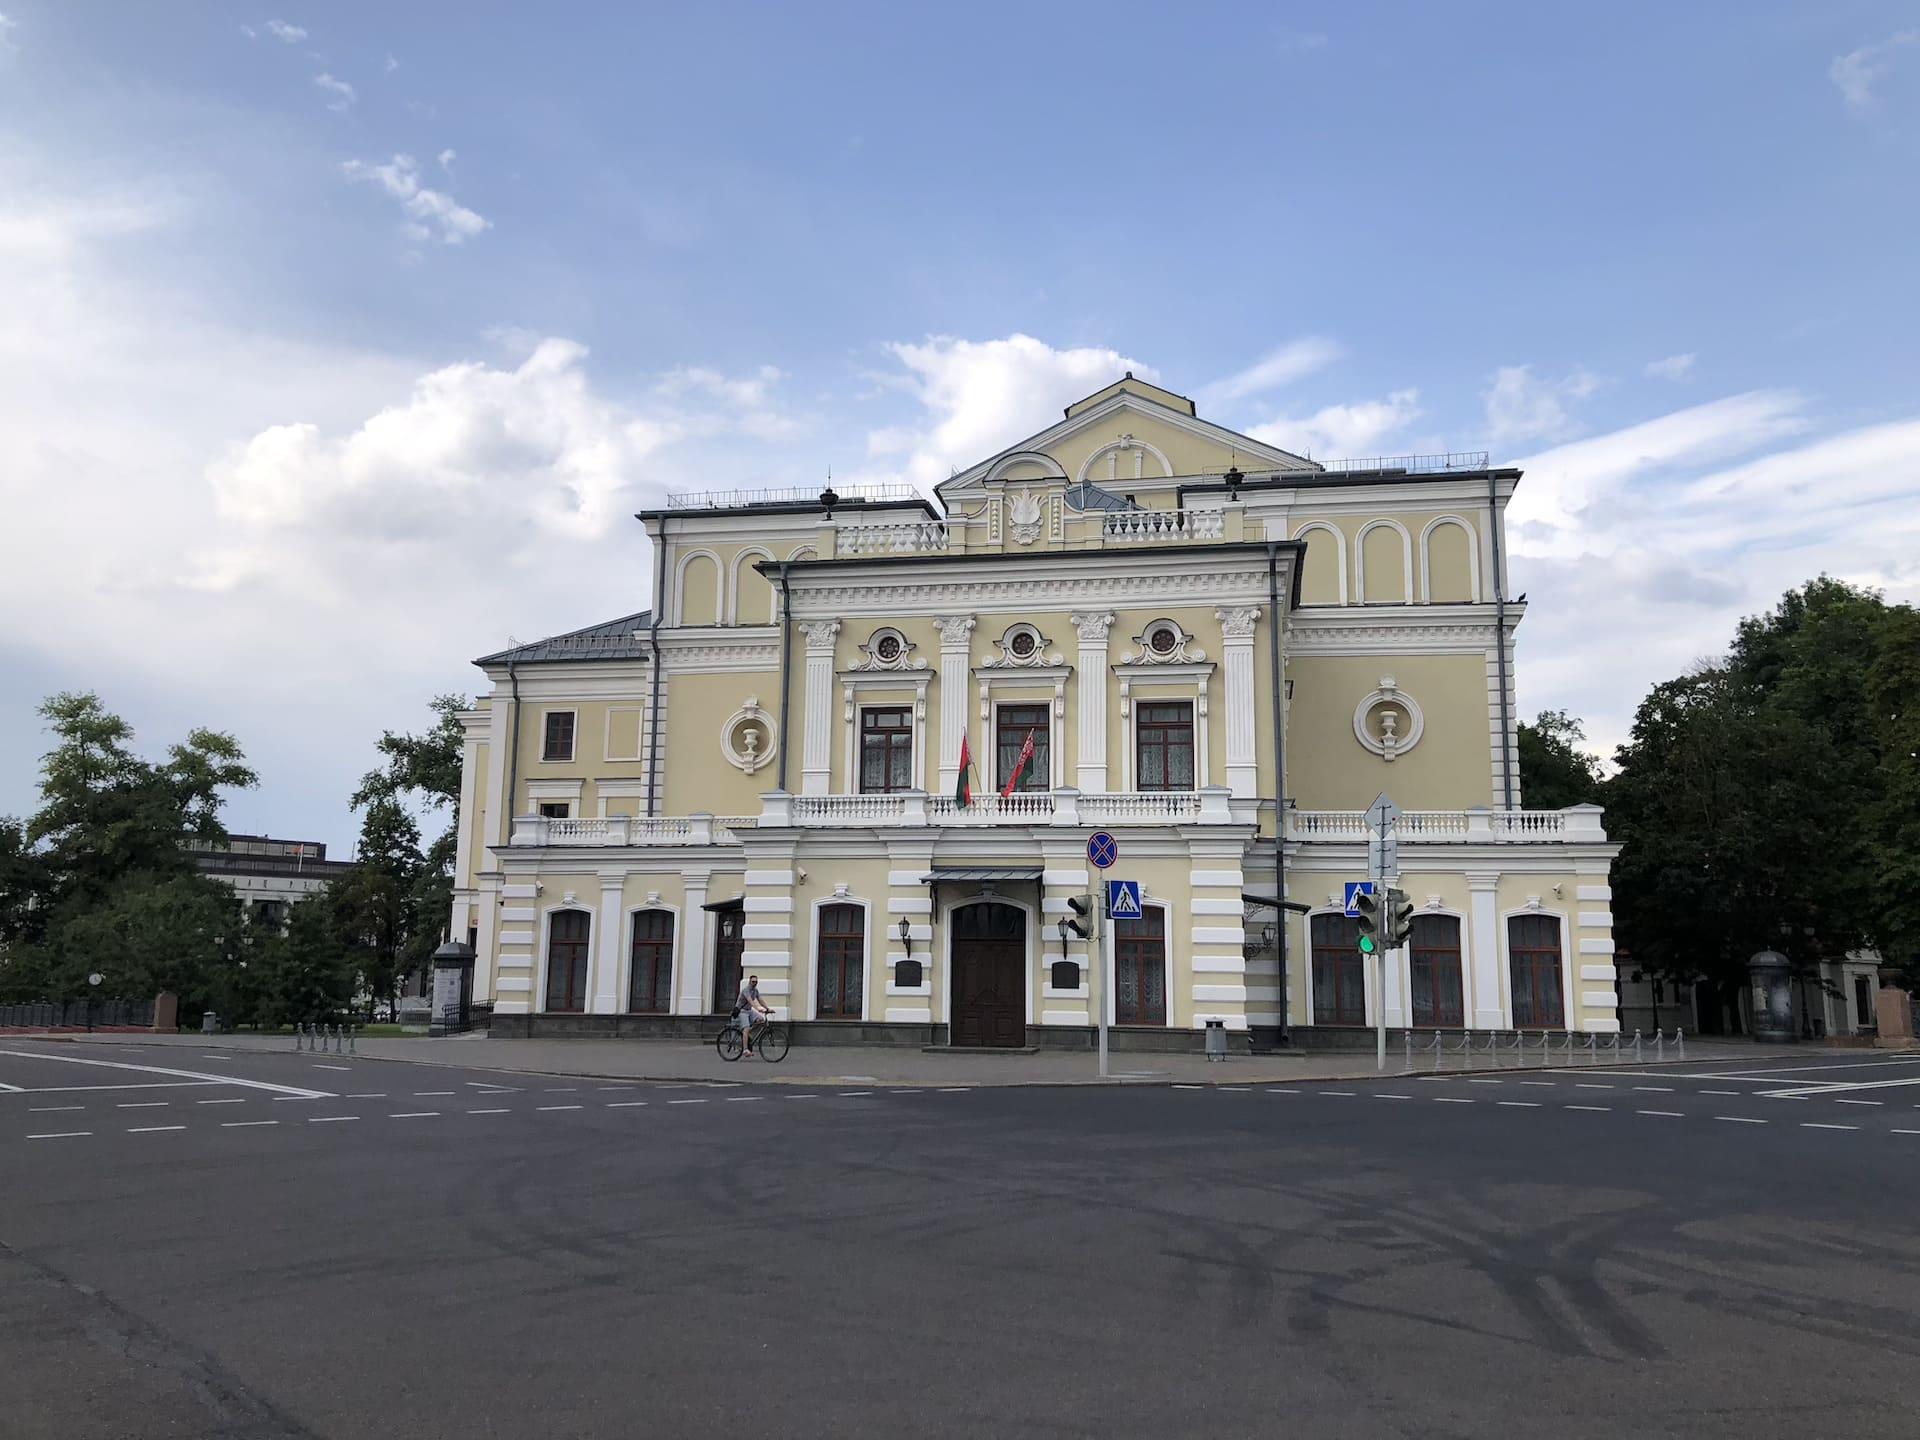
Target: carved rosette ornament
1023, 516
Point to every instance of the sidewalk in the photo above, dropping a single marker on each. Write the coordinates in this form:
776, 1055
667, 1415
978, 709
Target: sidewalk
674, 1060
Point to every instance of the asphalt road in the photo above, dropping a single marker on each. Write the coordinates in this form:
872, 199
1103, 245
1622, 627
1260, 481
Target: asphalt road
265, 1245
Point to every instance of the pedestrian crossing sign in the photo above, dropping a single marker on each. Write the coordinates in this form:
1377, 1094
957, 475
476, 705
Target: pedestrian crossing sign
1123, 899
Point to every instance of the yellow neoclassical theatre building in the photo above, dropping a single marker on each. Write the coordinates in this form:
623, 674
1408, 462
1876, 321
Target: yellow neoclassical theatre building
1211, 644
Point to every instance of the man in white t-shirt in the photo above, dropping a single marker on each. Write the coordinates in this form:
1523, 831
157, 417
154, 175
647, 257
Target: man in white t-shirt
751, 1008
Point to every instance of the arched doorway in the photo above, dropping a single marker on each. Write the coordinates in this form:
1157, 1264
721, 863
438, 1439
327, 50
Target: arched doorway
989, 975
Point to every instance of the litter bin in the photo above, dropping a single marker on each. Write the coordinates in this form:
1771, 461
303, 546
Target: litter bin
209, 1022
1216, 1040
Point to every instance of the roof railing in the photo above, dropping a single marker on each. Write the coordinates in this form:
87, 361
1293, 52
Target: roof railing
1416, 464
856, 491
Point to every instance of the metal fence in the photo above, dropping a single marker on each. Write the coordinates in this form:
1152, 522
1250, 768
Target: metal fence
76, 1014
1499, 1049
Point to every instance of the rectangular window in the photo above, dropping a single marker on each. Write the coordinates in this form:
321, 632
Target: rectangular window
1863, 1012
559, 737
841, 962
886, 749
554, 809
1434, 969
1339, 979
1140, 969
1533, 952
1011, 726
568, 934
1164, 744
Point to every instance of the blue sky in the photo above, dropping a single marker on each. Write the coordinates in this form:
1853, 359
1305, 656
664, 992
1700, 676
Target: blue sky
343, 339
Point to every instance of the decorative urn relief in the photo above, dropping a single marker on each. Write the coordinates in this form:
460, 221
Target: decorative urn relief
749, 737
1388, 721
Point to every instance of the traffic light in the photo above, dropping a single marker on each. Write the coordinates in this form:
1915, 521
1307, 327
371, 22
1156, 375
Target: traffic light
1082, 922
1371, 907
1398, 919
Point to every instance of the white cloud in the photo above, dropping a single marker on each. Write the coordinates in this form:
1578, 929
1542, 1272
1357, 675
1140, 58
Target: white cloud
392, 64
285, 33
1522, 407
1674, 367
343, 95
1343, 430
430, 214
1295, 359
1857, 72
745, 403
7, 26
982, 395
445, 159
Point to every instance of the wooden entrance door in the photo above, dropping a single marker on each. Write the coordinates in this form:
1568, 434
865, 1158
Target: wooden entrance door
989, 976
729, 940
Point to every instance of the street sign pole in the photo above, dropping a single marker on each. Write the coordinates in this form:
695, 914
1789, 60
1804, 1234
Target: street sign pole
1382, 855
1100, 963
1102, 851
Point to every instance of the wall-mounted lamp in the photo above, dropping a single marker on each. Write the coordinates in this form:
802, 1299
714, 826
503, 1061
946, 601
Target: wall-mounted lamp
1268, 934
906, 935
1063, 939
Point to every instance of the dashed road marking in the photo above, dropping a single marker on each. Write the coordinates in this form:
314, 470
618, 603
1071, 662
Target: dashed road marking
60, 1135
1658, 1089
1383, 1095
1602, 1109
146, 1104
1669, 1114
701, 1100
488, 1112
332, 1067
1453, 1100
422, 1094
219, 1102
1816, 1125
1519, 1104
152, 1129
955, 1089
1740, 1119
1548, 1083
329, 1119
631, 1104
49, 1109
413, 1115
1860, 1102
559, 1107
1483, 1082
1343, 1094
1589, 1085
731, 1099
244, 1124
850, 1094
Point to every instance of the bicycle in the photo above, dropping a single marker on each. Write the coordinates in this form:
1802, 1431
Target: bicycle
770, 1041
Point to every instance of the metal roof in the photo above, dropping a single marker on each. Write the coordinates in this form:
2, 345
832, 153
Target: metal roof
609, 640
982, 872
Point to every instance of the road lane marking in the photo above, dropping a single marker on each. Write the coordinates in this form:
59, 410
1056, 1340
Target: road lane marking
1907, 1132
419, 1093
790, 1097
489, 1112
49, 1109
1189, 1087
1816, 1125
1483, 1082
1548, 1083
1383, 1095
559, 1107
1721, 1092
1740, 1119
61, 1135
955, 1089
1669, 1114
1603, 1109
243, 1124
332, 1067
1453, 1100
1519, 1104
216, 1057
731, 1099
1343, 1094
849, 1094
220, 1102
631, 1104
1859, 1102
575, 1089
141, 1104
152, 1129
176, 1074
367, 1095
413, 1115
700, 1101
916, 1092
329, 1119
1588, 1085
1658, 1089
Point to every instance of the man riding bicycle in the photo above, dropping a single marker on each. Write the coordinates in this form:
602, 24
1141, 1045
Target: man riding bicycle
751, 1010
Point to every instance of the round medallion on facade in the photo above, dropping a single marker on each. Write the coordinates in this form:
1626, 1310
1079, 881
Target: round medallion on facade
749, 737
1388, 721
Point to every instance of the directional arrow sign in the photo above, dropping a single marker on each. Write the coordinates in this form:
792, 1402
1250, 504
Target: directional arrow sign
1382, 813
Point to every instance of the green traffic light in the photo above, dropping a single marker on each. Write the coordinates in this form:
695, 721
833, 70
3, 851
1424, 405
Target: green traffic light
1366, 945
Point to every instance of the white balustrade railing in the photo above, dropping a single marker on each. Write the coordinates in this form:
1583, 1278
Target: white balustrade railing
619, 830
1138, 527
1139, 807
1452, 826
1024, 808
829, 810
912, 537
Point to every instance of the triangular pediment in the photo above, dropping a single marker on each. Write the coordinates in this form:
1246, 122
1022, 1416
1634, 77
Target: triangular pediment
1129, 433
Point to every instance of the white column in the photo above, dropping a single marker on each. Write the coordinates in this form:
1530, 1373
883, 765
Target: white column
690, 974
605, 999
956, 638
1091, 677
1243, 768
497, 827
1483, 935
816, 765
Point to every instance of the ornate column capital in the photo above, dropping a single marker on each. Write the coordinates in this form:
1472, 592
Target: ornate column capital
955, 630
820, 633
1093, 627
1238, 623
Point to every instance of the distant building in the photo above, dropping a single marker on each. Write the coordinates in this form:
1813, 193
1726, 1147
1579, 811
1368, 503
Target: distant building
268, 876
1839, 1001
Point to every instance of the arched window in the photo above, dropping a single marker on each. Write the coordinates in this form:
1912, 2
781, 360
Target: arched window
1533, 952
1339, 978
841, 962
1434, 968
650, 980
567, 936
1140, 968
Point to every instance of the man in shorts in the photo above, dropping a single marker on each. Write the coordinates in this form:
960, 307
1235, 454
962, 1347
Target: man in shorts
751, 1009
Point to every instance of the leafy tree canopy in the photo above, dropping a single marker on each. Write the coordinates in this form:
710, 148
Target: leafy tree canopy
1554, 771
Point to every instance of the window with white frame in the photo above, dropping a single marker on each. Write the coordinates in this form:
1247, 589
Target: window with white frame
557, 743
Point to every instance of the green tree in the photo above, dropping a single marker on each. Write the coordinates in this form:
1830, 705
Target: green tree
180, 933
420, 777
307, 974
1760, 799
1554, 771
372, 906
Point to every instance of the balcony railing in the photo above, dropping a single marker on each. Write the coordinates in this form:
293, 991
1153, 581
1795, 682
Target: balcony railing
1579, 822
1148, 527
911, 537
1059, 807
621, 830
1030, 808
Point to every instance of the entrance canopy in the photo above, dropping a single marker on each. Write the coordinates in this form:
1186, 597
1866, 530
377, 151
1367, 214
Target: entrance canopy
977, 873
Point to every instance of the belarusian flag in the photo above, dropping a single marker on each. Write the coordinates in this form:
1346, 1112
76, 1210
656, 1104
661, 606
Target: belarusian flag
1026, 754
963, 787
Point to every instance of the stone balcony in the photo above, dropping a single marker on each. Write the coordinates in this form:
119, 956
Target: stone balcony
1064, 808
